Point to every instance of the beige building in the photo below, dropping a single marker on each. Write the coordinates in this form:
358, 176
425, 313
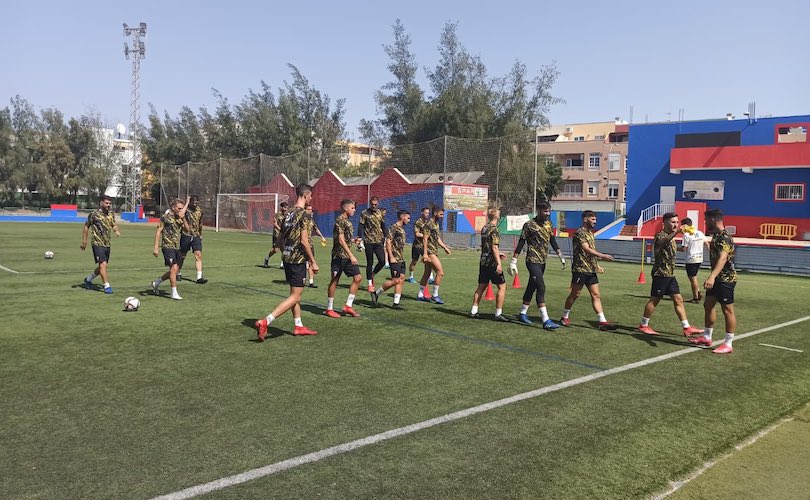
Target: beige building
357, 153
593, 157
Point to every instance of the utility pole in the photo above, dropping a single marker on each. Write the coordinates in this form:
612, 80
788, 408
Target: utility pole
135, 50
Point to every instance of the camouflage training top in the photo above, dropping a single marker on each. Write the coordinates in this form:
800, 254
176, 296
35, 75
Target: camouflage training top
372, 221
293, 224
722, 242
342, 226
101, 227
489, 236
311, 226
172, 228
418, 227
396, 235
432, 230
583, 262
537, 235
278, 218
664, 254
194, 221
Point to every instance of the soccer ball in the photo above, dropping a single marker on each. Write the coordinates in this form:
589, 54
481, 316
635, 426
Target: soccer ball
48, 254
131, 304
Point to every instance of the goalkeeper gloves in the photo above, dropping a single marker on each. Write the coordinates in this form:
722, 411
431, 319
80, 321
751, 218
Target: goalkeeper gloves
562, 260
513, 266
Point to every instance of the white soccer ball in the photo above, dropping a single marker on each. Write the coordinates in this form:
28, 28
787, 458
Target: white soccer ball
48, 254
131, 304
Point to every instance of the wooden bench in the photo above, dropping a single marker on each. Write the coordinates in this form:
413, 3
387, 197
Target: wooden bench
777, 231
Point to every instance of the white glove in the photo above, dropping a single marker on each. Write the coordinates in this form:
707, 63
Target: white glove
513, 266
562, 260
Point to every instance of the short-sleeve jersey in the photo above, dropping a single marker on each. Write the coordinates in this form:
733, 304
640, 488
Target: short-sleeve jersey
172, 228
101, 227
292, 225
583, 262
537, 236
279, 220
194, 221
372, 221
489, 236
418, 227
342, 226
432, 230
723, 242
396, 235
694, 247
664, 254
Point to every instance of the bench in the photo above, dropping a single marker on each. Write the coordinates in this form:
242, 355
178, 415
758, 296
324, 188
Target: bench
773, 230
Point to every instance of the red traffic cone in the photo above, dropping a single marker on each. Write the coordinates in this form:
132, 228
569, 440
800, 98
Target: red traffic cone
516, 281
489, 295
641, 278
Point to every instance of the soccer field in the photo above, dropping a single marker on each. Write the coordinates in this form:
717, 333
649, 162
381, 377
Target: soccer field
98, 402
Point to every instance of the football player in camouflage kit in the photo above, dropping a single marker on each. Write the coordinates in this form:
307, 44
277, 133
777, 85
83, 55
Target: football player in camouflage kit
418, 238
102, 222
431, 241
293, 239
664, 281
313, 229
343, 261
278, 220
720, 283
538, 234
191, 238
395, 249
372, 231
584, 267
167, 236
490, 267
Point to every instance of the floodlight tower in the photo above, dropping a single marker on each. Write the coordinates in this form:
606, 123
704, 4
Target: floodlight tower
134, 50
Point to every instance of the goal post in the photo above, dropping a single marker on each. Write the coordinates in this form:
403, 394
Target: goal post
251, 212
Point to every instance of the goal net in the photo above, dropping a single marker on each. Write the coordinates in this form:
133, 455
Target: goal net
251, 212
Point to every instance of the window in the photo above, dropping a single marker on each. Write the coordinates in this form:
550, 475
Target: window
574, 162
579, 138
548, 159
613, 189
593, 188
614, 160
625, 163
789, 192
572, 189
593, 161
791, 133
599, 138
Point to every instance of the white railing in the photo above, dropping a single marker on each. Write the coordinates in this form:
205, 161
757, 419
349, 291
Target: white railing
653, 212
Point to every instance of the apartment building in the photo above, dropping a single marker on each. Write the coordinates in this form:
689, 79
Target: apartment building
593, 157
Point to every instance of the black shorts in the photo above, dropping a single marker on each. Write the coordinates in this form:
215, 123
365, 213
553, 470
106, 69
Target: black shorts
295, 274
416, 254
397, 270
276, 243
101, 254
188, 242
171, 256
344, 266
692, 269
722, 291
584, 279
487, 274
664, 285
535, 269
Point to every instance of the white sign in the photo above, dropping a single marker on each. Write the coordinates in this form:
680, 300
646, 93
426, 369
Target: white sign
703, 190
465, 197
515, 222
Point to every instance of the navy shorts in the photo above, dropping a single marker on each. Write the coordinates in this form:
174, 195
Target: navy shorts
193, 243
487, 274
346, 267
101, 254
584, 279
397, 270
295, 274
664, 285
171, 256
692, 269
722, 291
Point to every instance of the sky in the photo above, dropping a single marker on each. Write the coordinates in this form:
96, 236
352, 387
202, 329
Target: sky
706, 57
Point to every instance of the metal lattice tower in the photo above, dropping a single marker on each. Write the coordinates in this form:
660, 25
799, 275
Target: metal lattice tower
134, 50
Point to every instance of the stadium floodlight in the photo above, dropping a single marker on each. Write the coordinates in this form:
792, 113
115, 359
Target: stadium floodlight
126, 51
126, 28
143, 28
135, 50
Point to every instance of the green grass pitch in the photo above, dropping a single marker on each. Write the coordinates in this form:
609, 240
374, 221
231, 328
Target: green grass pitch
97, 402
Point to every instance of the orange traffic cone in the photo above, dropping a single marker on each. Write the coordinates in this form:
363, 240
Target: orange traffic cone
489, 295
516, 281
641, 278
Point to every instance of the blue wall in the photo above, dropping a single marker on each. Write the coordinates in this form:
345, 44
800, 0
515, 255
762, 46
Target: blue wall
745, 194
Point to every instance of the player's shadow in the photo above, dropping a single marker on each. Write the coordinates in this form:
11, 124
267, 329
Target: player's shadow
312, 308
272, 332
280, 282
93, 288
453, 312
651, 340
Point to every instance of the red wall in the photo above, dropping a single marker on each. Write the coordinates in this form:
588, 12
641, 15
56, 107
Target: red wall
748, 227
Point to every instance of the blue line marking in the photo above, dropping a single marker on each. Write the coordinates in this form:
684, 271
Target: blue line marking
444, 333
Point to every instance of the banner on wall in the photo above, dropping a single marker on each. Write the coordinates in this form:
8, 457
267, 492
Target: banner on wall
703, 190
466, 197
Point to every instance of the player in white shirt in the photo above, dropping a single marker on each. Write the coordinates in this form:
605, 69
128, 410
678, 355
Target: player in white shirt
693, 243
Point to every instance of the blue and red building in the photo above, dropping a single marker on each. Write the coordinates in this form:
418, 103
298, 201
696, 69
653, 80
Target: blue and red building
756, 171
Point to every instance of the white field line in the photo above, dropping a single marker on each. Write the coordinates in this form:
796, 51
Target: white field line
676, 485
782, 347
115, 269
290, 463
791, 285
12, 271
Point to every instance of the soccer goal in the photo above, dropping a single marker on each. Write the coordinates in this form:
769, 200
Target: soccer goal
251, 212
